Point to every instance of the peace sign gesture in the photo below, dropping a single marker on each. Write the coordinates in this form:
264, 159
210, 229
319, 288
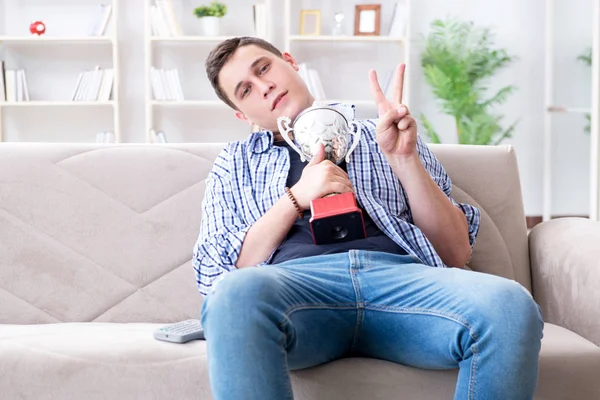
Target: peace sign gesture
396, 129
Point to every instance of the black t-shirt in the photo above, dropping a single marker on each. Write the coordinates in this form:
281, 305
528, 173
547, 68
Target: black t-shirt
299, 241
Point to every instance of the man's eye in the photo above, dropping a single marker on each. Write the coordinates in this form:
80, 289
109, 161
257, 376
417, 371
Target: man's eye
264, 68
246, 91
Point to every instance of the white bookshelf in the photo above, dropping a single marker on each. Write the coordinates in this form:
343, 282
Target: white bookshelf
52, 64
187, 53
329, 38
36, 40
59, 104
332, 56
552, 108
595, 128
175, 39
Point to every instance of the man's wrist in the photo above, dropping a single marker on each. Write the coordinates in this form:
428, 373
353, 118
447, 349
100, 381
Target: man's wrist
409, 162
295, 203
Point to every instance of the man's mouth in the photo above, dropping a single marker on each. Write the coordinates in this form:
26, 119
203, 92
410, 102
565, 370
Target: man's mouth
277, 100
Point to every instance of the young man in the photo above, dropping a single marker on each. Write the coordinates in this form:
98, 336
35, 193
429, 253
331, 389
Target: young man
277, 302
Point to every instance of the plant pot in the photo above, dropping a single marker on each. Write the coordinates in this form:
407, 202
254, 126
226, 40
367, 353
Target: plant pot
210, 26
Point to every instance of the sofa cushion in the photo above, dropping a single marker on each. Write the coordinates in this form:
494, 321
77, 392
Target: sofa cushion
111, 360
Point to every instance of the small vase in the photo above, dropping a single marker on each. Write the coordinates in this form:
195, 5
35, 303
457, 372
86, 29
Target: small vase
210, 26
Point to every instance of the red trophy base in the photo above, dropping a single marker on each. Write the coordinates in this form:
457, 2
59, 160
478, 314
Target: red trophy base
336, 219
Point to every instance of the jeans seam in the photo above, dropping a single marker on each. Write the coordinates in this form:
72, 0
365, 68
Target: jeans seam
286, 372
426, 311
359, 305
473, 374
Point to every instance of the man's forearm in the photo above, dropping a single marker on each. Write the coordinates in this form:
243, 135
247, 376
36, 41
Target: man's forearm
442, 223
267, 233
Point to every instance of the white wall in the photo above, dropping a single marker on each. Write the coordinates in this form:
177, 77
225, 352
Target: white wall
519, 27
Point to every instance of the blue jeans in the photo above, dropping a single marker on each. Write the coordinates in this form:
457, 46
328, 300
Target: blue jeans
262, 322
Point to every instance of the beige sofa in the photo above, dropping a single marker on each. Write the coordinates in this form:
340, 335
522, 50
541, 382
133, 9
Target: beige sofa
95, 248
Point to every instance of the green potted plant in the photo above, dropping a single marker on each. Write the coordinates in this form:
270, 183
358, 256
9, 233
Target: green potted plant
457, 61
210, 17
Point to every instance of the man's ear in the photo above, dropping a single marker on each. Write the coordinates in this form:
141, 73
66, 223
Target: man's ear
242, 117
288, 58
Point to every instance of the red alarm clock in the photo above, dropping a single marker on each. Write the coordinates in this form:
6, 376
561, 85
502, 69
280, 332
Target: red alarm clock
37, 28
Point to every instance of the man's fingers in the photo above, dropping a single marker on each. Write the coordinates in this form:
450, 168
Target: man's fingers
405, 122
399, 83
338, 187
318, 156
378, 95
387, 119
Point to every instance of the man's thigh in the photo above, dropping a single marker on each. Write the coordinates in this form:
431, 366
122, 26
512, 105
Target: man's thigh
427, 317
311, 301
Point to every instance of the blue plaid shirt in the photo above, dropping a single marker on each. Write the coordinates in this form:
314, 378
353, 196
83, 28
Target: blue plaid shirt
249, 176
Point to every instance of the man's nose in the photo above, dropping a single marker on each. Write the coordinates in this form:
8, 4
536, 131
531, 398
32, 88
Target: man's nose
266, 87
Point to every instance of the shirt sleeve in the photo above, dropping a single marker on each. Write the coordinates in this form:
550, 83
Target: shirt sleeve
222, 229
441, 178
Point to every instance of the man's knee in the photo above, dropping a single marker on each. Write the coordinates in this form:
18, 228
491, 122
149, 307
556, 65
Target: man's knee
511, 310
242, 291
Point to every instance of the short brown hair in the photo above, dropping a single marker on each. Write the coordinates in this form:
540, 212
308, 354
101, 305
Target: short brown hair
219, 56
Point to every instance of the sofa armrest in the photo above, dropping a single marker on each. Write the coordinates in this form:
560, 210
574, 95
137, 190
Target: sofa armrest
565, 273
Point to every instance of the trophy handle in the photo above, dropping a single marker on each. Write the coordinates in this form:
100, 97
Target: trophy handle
353, 126
283, 123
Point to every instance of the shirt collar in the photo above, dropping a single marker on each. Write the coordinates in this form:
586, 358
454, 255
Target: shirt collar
261, 141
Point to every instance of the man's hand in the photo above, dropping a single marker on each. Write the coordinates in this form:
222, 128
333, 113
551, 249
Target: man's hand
320, 177
396, 130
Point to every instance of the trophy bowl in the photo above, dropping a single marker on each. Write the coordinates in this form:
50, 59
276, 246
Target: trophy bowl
321, 124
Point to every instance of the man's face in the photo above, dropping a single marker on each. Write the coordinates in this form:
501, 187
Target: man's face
264, 86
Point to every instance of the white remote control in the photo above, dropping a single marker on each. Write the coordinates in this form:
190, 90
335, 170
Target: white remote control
180, 332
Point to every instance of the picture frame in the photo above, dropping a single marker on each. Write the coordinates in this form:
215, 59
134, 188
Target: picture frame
310, 22
367, 20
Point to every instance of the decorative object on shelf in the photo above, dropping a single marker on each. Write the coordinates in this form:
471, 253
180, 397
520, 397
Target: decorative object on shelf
587, 60
37, 28
367, 19
338, 27
310, 22
457, 59
210, 17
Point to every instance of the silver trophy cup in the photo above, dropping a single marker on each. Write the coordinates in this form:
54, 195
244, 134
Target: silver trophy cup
334, 217
321, 124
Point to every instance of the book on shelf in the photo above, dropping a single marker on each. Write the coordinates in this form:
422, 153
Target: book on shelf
13, 85
104, 14
261, 25
94, 85
399, 17
313, 81
2, 83
158, 137
166, 84
105, 137
163, 21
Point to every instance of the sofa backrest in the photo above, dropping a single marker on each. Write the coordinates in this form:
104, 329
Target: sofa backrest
100, 232
94, 232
